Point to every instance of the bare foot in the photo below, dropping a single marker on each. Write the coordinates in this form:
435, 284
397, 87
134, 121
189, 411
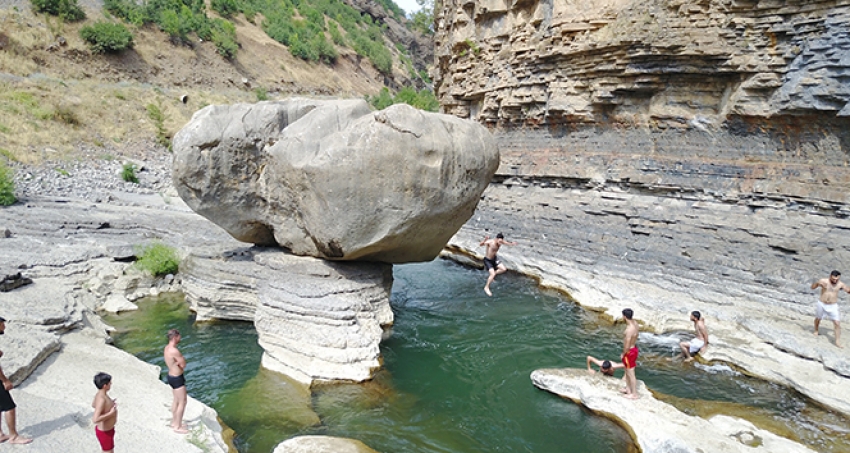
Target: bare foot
689, 359
816, 333
624, 390
839, 346
487, 290
181, 430
4, 438
20, 440
630, 396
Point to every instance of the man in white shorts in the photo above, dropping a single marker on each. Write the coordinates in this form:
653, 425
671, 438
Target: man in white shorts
699, 343
827, 307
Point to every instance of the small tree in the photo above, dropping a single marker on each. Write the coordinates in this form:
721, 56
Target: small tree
158, 259
107, 37
66, 9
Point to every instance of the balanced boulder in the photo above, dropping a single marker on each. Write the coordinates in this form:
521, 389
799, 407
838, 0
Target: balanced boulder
333, 179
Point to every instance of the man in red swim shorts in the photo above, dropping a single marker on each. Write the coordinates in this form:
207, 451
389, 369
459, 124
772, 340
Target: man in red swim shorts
630, 354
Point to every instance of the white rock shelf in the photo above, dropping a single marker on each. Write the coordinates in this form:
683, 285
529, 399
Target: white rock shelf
658, 427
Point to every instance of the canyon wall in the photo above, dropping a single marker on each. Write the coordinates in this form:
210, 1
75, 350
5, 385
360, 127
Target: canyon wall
723, 96
668, 156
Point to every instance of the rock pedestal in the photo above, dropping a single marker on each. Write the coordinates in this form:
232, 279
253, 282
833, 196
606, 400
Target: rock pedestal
317, 320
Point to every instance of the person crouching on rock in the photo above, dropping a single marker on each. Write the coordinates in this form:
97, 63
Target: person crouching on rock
606, 367
105, 412
700, 343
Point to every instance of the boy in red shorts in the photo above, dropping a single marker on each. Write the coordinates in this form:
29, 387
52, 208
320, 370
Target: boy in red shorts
105, 413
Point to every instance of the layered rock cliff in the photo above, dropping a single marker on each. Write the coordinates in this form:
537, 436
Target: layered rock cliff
668, 156
722, 95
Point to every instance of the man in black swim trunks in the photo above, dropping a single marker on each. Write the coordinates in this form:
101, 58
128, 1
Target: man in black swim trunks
7, 405
176, 363
491, 261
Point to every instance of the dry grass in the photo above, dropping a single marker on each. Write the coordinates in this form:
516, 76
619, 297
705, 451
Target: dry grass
49, 119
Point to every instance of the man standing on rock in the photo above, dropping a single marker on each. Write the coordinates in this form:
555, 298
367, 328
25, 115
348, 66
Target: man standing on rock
491, 261
176, 364
827, 306
630, 354
698, 344
7, 405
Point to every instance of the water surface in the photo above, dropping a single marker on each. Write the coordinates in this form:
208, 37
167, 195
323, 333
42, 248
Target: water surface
456, 377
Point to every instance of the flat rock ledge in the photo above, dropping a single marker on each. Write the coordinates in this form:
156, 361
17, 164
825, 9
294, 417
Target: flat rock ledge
322, 444
658, 427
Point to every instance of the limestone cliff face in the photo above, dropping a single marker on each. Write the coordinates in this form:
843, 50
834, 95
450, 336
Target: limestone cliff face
718, 95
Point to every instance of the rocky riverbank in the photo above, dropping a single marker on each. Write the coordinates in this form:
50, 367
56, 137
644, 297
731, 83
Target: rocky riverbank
583, 239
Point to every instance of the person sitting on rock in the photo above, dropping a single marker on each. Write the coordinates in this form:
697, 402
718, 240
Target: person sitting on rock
605, 366
699, 343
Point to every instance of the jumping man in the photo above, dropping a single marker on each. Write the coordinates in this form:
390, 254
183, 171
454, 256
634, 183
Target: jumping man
491, 261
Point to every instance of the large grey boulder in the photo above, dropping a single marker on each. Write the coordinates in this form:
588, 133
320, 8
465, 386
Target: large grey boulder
332, 179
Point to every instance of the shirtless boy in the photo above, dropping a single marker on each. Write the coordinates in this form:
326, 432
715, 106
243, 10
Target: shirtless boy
605, 366
700, 343
630, 354
827, 306
7, 405
176, 364
491, 260
105, 412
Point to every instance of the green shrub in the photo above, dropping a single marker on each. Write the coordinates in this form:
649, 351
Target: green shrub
107, 37
226, 8
261, 93
423, 100
128, 173
224, 38
158, 259
68, 10
158, 118
7, 185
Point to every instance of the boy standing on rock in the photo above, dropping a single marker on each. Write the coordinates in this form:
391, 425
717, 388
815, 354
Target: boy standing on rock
491, 261
827, 306
105, 413
630, 354
7, 405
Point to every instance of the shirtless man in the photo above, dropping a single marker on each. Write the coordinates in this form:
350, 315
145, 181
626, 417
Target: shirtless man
605, 366
491, 261
105, 413
699, 344
7, 405
176, 364
827, 306
630, 354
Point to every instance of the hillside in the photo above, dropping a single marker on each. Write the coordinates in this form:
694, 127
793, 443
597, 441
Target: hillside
59, 99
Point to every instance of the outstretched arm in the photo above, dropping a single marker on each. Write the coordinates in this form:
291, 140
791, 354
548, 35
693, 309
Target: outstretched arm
591, 359
815, 284
484, 241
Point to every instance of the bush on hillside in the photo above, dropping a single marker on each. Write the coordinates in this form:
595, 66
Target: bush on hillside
158, 259
68, 10
224, 38
226, 8
7, 185
423, 100
107, 37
